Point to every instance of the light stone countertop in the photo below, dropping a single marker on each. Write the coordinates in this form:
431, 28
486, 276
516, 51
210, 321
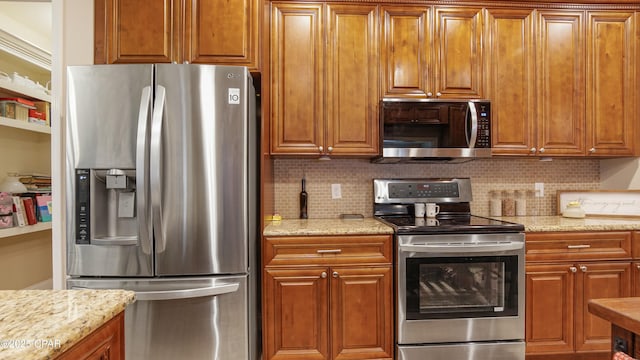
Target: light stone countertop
42, 324
559, 223
296, 227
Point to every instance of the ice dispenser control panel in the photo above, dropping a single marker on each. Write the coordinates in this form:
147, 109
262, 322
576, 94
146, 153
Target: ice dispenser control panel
82, 207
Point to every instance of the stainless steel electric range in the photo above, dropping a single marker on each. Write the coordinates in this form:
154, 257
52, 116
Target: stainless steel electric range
459, 278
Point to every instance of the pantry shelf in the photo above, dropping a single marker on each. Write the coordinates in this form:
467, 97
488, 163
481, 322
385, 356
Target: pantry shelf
24, 125
4, 233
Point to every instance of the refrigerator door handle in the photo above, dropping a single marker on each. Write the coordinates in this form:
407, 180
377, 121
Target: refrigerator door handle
186, 293
142, 170
155, 164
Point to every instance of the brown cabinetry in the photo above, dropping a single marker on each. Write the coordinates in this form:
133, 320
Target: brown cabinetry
105, 343
328, 297
432, 52
162, 31
324, 79
583, 77
564, 271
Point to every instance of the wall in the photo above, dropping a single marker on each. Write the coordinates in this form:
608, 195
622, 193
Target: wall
617, 174
73, 45
355, 177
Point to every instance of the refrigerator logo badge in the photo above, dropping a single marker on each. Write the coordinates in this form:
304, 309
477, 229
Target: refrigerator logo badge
234, 96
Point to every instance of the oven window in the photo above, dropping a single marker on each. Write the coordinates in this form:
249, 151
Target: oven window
462, 287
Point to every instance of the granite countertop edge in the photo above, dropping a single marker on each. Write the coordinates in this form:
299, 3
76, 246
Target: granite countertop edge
42, 324
327, 227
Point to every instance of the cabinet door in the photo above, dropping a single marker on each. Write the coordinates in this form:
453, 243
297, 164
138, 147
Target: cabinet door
133, 31
550, 308
297, 78
361, 313
635, 279
352, 80
458, 53
561, 72
406, 51
611, 85
104, 343
221, 32
511, 81
598, 280
296, 322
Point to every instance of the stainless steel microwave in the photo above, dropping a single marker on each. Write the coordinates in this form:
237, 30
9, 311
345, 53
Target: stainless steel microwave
425, 130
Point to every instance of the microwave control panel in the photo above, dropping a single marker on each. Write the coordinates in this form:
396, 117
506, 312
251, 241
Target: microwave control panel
483, 139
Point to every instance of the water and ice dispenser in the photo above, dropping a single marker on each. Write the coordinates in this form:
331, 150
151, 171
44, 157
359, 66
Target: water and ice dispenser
105, 207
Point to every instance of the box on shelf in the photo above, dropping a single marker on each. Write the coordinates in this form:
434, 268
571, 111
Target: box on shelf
6, 221
16, 108
44, 108
6, 210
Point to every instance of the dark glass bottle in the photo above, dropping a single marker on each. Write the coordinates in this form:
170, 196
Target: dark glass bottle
303, 201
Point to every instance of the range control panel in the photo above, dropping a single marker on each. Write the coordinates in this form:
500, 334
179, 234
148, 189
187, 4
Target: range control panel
395, 191
83, 188
423, 190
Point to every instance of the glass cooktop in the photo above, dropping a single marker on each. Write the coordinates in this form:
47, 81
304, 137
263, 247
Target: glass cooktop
408, 224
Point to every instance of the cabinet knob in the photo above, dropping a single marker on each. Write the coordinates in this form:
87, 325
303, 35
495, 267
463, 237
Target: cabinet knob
320, 148
330, 149
541, 150
532, 150
638, 266
429, 94
335, 274
592, 150
583, 268
323, 275
573, 269
438, 94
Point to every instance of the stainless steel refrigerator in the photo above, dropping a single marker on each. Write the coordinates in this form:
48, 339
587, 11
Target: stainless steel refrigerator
161, 184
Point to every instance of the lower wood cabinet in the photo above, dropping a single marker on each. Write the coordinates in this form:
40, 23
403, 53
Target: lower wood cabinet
105, 343
335, 305
560, 283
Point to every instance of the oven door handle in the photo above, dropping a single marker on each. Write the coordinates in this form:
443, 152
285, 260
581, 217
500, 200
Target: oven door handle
463, 247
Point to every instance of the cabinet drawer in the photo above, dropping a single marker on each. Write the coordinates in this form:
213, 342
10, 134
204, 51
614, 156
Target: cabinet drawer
327, 250
578, 245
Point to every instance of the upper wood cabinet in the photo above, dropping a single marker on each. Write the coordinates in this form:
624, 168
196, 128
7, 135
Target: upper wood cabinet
511, 79
580, 99
611, 84
161, 31
432, 52
323, 65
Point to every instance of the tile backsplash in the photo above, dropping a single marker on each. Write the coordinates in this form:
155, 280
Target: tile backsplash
355, 177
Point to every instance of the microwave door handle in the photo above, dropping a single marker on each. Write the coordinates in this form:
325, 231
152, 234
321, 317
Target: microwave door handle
142, 171
155, 164
471, 140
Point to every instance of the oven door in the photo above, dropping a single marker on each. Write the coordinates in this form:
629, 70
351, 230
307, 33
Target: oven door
460, 288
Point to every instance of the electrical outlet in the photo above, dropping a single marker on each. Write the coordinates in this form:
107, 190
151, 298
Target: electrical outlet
539, 189
336, 191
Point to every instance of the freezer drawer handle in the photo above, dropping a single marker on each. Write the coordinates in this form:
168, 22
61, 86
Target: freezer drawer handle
186, 293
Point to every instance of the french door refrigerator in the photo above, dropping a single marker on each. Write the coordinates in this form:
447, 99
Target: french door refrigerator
162, 182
